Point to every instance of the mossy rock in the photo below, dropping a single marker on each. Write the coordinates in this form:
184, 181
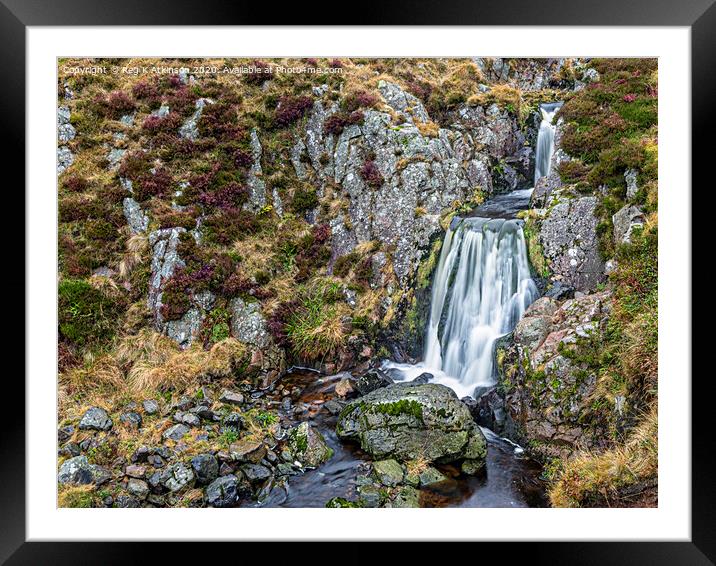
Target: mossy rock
407, 421
308, 446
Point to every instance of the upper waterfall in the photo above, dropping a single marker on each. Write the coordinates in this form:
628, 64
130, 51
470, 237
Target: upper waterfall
545, 140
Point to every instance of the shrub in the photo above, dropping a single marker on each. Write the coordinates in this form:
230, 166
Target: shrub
230, 195
304, 200
359, 99
75, 184
290, 109
371, 174
155, 124
85, 315
336, 123
115, 104
259, 73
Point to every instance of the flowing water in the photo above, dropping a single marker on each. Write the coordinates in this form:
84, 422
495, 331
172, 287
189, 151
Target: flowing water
481, 288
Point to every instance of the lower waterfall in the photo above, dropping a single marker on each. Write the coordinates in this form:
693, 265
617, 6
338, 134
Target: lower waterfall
481, 288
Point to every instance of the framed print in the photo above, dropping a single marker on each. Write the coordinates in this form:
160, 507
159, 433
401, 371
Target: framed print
278, 274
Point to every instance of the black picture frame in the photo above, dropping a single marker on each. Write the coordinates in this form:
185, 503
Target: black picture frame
698, 15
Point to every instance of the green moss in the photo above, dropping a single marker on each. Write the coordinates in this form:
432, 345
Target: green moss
304, 199
402, 407
340, 502
534, 248
86, 316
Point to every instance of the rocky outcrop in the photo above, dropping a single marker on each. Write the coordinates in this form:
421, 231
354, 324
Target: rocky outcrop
406, 421
421, 167
627, 219
569, 241
547, 394
525, 74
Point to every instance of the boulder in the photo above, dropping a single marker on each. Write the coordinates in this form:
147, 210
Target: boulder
95, 418
222, 492
625, 221
231, 397
406, 421
308, 445
176, 477
206, 468
175, 432
388, 472
78, 470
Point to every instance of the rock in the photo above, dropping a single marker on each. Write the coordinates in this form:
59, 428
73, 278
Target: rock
340, 503
472, 467
190, 128
65, 158
95, 418
135, 471
371, 380
423, 378
406, 497
246, 450
231, 397
388, 472
131, 419
151, 407
344, 388
334, 407
126, 502
138, 488
175, 432
206, 468
254, 181
630, 176
65, 433
431, 476
370, 496
114, 158
256, 473
308, 445
223, 491
136, 218
568, 235
78, 470
70, 450
625, 221
531, 331
176, 477
407, 421
558, 291
248, 324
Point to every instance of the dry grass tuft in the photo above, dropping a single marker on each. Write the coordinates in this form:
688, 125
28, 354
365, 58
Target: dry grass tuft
589, 478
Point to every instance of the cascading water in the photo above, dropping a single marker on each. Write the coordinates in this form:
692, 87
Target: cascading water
545, 140
481, 287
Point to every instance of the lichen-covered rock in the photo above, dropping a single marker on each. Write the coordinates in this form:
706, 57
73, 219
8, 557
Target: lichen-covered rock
248, 325
95, 418
569, 241
176, 476
308, 446
388, 472
407, 421
190, 128
136, 218
254, 181
65, 158
547, 394
78, 470
625, 221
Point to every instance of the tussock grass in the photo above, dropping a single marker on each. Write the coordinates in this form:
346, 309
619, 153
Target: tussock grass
591, 478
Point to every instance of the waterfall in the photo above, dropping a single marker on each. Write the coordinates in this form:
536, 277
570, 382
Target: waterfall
481, 288
545, 140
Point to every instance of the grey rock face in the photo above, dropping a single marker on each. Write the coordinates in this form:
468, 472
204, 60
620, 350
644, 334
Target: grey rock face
625, 221
248, 324
630, 176
546, 406
403, 102
190, 128
406, 421
256, 185
165, 260
223, 492
568, 235
136, 218
114, 158
95, 418
65, 133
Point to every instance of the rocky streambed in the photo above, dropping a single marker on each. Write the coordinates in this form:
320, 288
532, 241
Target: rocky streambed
352, 477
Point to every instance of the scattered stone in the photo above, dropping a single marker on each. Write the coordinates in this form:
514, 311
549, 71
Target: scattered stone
625, 221
246, 450
126, 501
135, 471
132, 419
334, 407
176, 477
70, 449
151, 407
64, 433
206, 468
138, 488
231, 397
95, 418
175, 432
406, 497
388, 472
344, 388
223, 491
78, 470
256, 473
371, 380
370, 496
